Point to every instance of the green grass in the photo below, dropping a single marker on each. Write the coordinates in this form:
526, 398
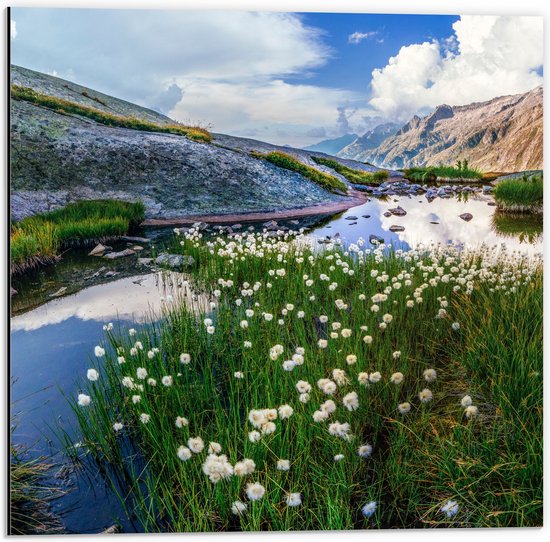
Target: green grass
524, 226
37, 240
29, 497
60, 105
520, 194
355, 176
432, 173
286, 161
491, 464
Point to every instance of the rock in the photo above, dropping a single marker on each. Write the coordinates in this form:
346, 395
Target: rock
365, 216
13, 291
398, 211
466, 216
351, 217
121, 254
270, 224
135, 239
434, 222
387, 214
375, 240
394, 228
491, 203
137, 248
59, 292
295, 222
111, 273
201, 226
487, 189
236, 226
352, 223
98, 250
174, 260
145, 261
113, 529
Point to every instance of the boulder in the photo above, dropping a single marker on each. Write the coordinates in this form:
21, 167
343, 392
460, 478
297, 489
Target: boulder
398, 211
98, 250
174, 260
466, 216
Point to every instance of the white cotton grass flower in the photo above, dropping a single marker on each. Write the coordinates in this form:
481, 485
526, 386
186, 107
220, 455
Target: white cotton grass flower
99, 352
338, 429
136, 399
363, 379
238, 374
320, 416
238, 508
430, 375
244, 467
92, 375
255, 491
83, 399
339, 457
351, 359
367, 339
268, 428
369, 509
375, 377
304, 398
450, 509
257, 418
108, 327
365, 450
289, 365
247, 344
294, 499
145, 418
196, 445
132, 332
396, 354
396, 378
214, 448
404, 408
303, 387
283, 464
327, 386
351, 401
167, 381
152, 382
121, 360
118, 426
217, 467
322, 343
471, 412
141, 373
185, 358
466, 401
340, 377
425, 395
181, 422
328, 406
254, 436
210, 330
184, 453
346, 333
455, 326
285, 411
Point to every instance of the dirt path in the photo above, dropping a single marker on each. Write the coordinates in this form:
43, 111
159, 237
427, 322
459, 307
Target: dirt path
356, 198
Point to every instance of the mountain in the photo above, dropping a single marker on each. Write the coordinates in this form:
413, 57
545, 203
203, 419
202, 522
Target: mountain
332, 146
58, 156
502, 134
368, 141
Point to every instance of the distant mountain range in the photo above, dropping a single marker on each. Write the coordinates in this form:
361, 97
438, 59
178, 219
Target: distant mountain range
333, 146
502, 134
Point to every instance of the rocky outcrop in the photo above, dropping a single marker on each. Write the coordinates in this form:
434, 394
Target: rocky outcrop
57, 158
503, 134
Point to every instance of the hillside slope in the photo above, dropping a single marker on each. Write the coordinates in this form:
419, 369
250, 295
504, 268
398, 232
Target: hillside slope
58, 157
502, 134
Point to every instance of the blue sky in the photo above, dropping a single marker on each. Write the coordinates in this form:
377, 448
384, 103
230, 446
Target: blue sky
283, 77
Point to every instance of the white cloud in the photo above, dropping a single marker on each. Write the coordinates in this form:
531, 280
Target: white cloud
358, 37
486, 57
13, 29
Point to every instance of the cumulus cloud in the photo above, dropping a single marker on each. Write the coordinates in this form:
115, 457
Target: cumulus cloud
358, 37
13, 29
485, 57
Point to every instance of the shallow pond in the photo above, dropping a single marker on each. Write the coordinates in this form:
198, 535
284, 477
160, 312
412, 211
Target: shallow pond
52, 338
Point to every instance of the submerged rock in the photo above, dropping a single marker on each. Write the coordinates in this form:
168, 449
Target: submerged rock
466, 216
394, 228
351, 218
398, 211
375, 240
174, 260
121, 254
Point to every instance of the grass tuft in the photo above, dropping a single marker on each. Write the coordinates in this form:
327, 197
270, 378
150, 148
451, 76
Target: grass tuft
433, 173
36, 240
67, 107
520, 195
286, 161
355, 176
